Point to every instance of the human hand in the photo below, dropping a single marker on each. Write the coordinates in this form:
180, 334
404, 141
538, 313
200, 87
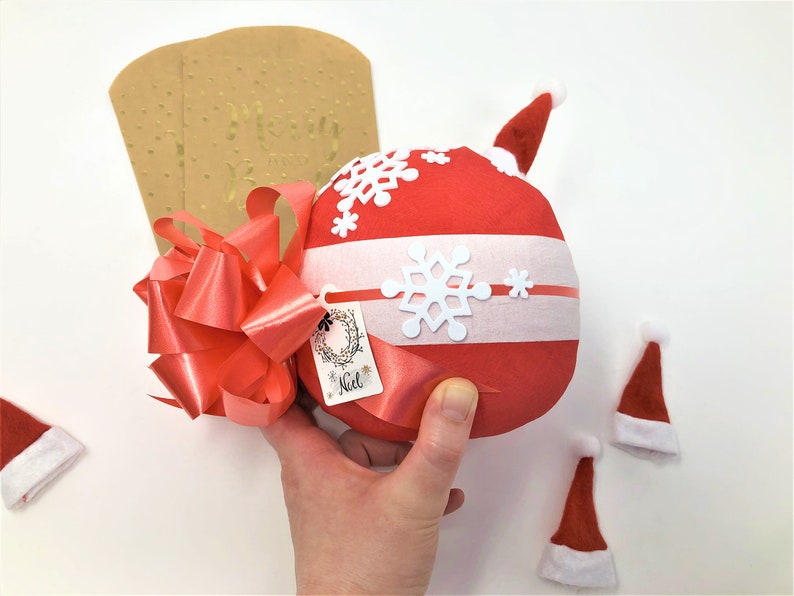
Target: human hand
355, 530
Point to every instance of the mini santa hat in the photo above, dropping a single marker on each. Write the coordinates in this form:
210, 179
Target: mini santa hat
641, 424
517, 143
577, 554
32, 454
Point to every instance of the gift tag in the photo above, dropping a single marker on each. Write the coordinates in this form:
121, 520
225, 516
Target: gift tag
342, 354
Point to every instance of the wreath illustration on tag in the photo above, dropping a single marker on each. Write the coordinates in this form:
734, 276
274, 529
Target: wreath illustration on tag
353, 337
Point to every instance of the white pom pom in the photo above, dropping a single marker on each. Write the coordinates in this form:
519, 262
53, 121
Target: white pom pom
587, 446
655, 331
554, 87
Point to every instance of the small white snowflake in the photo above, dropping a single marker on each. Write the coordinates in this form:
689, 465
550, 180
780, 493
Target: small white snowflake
345, 224
419, 298
518, 283
435, 157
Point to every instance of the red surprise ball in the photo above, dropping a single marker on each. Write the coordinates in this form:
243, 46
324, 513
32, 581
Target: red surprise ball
459, 267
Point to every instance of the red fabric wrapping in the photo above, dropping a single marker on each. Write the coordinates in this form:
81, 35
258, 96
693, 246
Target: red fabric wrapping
467, 196
524, 393
482, 202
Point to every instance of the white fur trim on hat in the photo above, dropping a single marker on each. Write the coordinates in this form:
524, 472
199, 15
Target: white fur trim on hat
35, 467
644, 438
585, 569
504, 161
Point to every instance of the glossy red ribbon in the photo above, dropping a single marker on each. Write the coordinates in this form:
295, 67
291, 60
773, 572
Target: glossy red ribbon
227, 315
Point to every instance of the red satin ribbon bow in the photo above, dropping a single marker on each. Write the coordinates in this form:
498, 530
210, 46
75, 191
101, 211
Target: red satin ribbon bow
226, 316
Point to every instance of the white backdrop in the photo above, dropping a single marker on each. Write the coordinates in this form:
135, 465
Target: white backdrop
669, 167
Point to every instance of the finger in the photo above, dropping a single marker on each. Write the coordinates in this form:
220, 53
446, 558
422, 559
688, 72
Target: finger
427, 473
455, 501
306, 401
296, 437
369, 451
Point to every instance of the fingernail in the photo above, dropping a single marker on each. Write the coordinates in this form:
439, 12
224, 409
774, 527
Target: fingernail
457, 401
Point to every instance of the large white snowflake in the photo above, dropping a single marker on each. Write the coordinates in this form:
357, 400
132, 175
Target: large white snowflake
451, 285
372, 177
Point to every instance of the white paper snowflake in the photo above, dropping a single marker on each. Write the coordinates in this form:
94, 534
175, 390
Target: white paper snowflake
419, 298
371, 178
345, 224
435, 157
518, 283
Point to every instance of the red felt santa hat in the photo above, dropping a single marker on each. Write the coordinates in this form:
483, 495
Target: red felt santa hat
517, 143
577, 554
641, 424
32, 454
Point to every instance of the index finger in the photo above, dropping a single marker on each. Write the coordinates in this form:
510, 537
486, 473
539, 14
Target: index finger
295, 436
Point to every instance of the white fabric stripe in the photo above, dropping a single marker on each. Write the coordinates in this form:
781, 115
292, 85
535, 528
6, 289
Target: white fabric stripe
366, 264
644, 438
585, 569
496, 319
41, 462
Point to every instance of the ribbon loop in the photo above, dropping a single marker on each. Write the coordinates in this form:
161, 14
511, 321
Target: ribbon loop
216, 292
262, 201
227, 315
165, 228
285, 316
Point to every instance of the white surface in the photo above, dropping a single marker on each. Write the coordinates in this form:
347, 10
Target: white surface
669, 166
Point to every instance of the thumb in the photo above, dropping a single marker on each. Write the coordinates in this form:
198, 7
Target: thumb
426, 475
